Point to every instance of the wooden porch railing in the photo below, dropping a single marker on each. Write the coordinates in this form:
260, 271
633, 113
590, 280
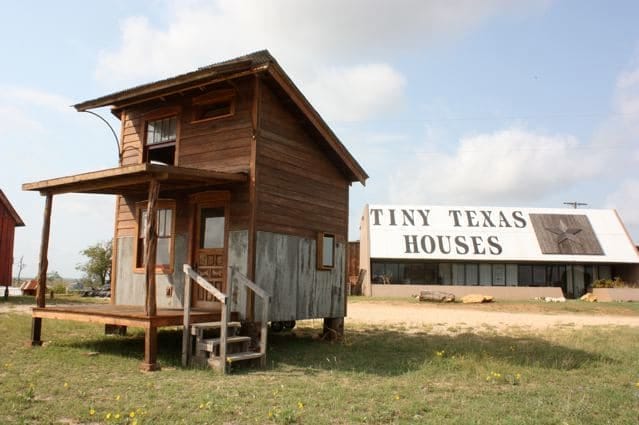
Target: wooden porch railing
224, 299
189, 274
266, 303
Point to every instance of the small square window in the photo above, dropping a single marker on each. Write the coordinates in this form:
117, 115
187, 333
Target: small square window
325, 251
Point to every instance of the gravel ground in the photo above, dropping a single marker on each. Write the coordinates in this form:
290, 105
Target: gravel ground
440, 319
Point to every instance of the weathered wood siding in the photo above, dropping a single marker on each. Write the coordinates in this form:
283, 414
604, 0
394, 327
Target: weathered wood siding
299, 190
7, 233
286, 268
222, 144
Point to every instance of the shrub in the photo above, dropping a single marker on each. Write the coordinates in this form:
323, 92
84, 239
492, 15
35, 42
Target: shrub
614, 283
58, 288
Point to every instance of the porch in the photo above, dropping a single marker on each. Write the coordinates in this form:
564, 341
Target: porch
149, 181
125, 315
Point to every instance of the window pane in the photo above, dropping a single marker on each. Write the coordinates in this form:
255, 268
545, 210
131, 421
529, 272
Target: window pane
163, 254
445, 274
499, 274
431, 270
142, 227
485, 274
511, 274
525, 275
212, 228
605, 272
377, 272
161, 131
472, 274
458, 274
391, 272
414, 273
539, 275
328, 246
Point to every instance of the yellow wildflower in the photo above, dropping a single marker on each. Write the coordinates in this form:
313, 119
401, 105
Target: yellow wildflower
300, 405
66, 385
108, 415
201, 405
117, 397
132, 414
397, 397
637, 385
117, 416
92, 411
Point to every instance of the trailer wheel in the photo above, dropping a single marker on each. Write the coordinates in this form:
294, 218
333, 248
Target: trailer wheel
289, 324
277, 326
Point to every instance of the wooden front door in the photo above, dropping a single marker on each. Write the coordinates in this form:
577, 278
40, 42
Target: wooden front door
210, 250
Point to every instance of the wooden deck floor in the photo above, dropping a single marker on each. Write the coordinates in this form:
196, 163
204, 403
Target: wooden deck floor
124, 315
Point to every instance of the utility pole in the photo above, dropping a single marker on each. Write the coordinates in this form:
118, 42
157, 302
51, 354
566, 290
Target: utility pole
575, 204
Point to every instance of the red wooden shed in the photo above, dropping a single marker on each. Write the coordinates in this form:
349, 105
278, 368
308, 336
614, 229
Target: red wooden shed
9, 220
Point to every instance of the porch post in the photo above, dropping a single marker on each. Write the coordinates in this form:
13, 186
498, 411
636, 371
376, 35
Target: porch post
36, 322
151, 237
150, 306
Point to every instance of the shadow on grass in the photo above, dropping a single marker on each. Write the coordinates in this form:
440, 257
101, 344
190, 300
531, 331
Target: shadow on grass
379, 352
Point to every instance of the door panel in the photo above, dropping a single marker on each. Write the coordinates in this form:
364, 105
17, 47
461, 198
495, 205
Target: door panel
210, 251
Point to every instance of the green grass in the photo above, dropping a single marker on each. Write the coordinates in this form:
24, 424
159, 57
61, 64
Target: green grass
376, 375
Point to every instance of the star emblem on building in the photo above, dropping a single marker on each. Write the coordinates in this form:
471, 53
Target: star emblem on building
565, 233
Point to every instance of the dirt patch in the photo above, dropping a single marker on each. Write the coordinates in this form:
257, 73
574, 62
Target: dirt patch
451, 317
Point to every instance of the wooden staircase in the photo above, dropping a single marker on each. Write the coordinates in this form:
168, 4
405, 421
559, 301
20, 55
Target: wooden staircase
218, 344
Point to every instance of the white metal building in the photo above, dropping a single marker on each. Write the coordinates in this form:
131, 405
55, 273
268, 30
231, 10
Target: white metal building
509, 252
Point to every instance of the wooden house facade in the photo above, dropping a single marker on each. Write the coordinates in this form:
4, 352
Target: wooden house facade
242, 174
9, 220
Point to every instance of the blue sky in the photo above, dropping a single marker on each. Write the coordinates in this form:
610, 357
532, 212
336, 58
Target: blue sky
526, 103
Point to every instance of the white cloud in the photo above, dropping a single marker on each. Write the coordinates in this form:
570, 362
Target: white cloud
626, 201
14, 121
507, 165
34, 97
356, 93
304, 36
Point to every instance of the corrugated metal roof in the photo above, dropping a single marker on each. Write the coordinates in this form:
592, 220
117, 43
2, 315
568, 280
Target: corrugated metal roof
245, 62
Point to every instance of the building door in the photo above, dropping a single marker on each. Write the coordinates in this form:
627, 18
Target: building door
210, 250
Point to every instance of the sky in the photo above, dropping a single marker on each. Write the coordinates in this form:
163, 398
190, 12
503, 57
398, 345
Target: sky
491, 103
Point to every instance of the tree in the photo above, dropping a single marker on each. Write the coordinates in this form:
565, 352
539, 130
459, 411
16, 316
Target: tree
97, 268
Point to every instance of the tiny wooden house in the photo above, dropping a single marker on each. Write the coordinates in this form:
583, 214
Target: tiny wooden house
248, 176
9, 220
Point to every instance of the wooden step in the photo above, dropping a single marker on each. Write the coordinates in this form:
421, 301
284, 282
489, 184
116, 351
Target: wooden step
247, 355
212, 325
214, 362
209, 344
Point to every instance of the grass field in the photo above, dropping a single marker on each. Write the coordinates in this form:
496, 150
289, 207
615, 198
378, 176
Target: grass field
376, 375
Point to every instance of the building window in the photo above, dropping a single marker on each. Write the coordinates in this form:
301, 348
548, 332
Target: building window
165, 227
207, 110
326, 251
161, 138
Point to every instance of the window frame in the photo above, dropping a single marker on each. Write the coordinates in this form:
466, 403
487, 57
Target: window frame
218, 96
320, 251
162, 204
158, 115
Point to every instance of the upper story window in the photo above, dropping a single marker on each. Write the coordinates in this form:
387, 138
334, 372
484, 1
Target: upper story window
214, 105
161, 137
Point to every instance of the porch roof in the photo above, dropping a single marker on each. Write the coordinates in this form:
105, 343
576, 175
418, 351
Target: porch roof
134, 179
